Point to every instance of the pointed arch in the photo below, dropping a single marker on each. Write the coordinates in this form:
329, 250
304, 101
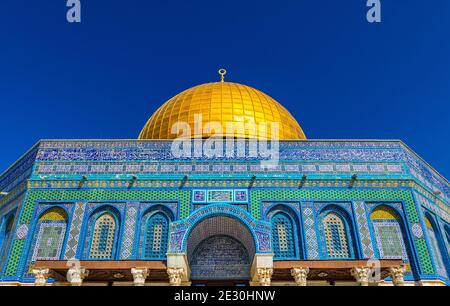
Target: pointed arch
104, 232
436, 244
285, 234
336, 233
5, 237
156, 232
447, 236
389, 233
50, 234
335, 236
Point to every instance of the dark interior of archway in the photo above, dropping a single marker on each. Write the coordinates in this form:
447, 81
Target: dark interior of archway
220, 258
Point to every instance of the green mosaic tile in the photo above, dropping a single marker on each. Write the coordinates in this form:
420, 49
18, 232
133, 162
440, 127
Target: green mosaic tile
14, 258
106, 195
183, 196
256, 196
425, 261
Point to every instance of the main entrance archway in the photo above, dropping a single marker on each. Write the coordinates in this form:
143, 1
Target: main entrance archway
220, 248
220, 258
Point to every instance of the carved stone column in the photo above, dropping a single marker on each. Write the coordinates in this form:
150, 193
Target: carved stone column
139, 276
361, 274
178, 267
300, 275
41, 276
264, 276
397, 275
75, 276
175, 276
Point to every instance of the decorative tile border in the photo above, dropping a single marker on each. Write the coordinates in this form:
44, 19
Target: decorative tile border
363, 229
129, 231
312, 245
74, 231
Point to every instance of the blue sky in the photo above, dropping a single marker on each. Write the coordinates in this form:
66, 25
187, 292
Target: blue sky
340, 76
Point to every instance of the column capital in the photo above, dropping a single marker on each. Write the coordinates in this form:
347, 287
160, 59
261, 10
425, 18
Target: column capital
139, 276
397, 274
361, 274
264, 276
300, 275
41, 276
175, 276
76, 275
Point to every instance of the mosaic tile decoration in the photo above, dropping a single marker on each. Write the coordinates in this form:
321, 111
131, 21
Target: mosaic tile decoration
266, 206
437, 255
335, 236
390, 159
103, 237
19, 172
120, 167
390, 234
312, 246
75, 230
156, 237
363, 229
50, 240
283, 240
396, 196
308, 150
389, 239
417, 230
425, 202
220, 257
240, 196
220, 226
445, 230
22, 231
179, 228
5, 241
390, 195
220, 196
129, 231
199, 196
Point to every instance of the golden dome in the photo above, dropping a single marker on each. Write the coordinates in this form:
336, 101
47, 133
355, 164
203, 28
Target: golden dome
223, 102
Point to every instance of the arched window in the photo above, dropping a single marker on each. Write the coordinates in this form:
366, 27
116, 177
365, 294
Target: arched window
103, 237
156, 240
435, 249
447, 235
335, 236
5, 237
282, 236
51, 230
388, 233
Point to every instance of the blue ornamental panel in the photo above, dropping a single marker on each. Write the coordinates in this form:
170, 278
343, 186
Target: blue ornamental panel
335, 236
156, 232
103, 238
282, 237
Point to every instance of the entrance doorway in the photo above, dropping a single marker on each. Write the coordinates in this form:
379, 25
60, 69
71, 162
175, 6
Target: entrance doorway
220, 260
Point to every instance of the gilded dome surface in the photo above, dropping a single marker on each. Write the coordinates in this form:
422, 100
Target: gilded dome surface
223, 102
